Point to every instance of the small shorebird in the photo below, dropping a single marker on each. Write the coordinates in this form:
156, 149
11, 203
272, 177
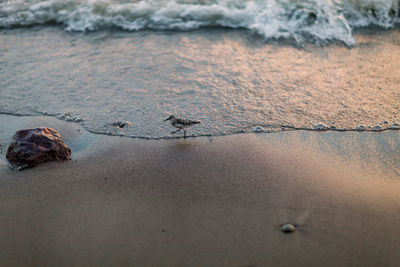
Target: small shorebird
180, 124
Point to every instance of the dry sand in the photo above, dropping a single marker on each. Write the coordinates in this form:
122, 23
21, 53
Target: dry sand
204, 201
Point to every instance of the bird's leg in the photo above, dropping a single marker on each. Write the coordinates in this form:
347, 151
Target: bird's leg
184, 133
176, 131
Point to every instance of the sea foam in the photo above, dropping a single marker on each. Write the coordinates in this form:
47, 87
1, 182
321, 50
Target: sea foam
318, 21
127, 83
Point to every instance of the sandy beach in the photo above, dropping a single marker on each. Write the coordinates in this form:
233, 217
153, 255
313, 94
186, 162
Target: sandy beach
298, 103
215, 201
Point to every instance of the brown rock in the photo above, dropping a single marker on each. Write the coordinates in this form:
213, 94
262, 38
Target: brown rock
32, 146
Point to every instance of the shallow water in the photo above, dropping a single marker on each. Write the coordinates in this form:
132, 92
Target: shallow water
232, 81
375, 154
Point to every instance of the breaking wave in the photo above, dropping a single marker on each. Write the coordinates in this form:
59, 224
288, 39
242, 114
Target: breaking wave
318, 21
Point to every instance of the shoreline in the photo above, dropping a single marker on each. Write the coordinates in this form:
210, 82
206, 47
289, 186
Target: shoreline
329, 141
205, 201
265, 129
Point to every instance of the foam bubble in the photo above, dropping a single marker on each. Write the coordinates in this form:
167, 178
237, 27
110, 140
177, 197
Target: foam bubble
317, 20
258, 129
394, 126
360, 128
376, 128
320, 127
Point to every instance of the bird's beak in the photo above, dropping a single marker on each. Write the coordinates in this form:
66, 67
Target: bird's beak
166, 119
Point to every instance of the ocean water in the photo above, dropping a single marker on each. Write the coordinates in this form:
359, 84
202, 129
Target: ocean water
237, 66
318, 20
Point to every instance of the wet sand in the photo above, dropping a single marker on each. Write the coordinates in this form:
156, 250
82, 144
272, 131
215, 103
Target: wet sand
204, 201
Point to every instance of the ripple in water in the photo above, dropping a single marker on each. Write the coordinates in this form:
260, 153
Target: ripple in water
232, 81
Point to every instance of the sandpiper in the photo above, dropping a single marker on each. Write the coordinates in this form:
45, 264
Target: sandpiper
180, 124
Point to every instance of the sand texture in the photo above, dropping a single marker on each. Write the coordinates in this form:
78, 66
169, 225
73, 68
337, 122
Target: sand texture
204, 201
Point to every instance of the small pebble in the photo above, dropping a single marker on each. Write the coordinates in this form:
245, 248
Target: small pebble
288, 228
121, 124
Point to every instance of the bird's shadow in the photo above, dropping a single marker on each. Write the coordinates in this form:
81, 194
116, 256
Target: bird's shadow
181, 145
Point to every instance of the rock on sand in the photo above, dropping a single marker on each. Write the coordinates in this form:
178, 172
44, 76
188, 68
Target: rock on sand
32, 146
